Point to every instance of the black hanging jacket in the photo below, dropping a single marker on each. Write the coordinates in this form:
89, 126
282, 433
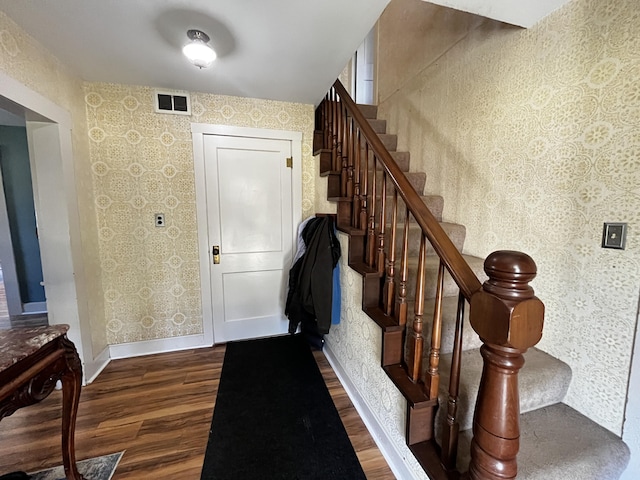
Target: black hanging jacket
311, 278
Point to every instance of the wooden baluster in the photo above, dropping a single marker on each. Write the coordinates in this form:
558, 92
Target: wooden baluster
334, 132
450, 432
415, 339
339, 133
365, 190
344, 168
350, 157
371, 230
389, 290
364, 221
383, 224
355, 205
432, 377
326, 127
401, 301
509, 319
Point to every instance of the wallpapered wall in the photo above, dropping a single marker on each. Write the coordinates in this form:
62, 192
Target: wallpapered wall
533, 138
142, 164
28, 62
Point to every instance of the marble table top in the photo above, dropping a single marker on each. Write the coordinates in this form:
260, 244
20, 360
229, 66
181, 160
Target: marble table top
18, 343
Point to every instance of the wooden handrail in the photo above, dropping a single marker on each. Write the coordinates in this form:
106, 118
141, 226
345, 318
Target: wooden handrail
442, 244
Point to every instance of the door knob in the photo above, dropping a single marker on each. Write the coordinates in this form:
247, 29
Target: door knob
215, 250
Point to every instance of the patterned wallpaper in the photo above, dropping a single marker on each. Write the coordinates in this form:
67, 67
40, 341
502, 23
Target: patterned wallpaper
24, 59
142, 164
533, 138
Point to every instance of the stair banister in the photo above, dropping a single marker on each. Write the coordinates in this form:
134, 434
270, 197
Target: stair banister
504, 311
451, 257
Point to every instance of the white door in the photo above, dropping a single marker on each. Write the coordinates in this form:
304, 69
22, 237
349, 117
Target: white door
250, 221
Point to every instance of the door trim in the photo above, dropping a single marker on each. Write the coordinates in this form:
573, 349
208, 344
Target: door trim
56, 203
198, 131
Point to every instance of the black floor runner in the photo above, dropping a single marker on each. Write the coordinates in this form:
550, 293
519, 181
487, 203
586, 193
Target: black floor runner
274, 417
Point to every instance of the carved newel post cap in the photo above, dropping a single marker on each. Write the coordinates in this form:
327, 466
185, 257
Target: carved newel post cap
509, 274
506, 312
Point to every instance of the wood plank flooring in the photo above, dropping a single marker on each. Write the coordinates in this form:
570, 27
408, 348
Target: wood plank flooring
158, 409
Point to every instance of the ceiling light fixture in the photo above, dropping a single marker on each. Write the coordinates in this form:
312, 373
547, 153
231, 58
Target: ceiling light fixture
198, 51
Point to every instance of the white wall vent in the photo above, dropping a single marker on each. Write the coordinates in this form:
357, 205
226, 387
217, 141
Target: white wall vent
172, 102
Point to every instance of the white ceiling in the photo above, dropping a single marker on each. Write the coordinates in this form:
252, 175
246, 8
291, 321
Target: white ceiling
290, 50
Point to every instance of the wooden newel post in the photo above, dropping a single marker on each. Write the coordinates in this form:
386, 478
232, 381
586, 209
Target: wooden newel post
508, 318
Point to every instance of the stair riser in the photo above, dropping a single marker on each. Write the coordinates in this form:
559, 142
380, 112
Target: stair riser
455, 232
389, 140
369, 111
379, 126
416, 179
433, 202
401, 158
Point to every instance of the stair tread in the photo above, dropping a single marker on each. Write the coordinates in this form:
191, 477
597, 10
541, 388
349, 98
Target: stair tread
542, 381
417, 179
435, 203
455, 232
557, 442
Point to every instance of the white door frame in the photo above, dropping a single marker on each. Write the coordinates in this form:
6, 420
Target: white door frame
198, 131
56, 204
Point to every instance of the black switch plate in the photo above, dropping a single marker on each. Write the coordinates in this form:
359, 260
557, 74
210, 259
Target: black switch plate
614, 235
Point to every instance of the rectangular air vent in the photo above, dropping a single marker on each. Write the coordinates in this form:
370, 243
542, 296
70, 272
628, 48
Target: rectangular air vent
172, 102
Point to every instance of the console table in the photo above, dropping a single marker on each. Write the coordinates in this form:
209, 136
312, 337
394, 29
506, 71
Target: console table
32, 360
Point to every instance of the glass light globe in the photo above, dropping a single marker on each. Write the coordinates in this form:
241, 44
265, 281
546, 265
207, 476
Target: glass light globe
197, 51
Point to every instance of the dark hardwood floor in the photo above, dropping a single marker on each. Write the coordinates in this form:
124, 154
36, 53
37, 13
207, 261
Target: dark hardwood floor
158, 410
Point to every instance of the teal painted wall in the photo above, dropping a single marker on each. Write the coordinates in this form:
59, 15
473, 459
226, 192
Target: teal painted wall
16, 178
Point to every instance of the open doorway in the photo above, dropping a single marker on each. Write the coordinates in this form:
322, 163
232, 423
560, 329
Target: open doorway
363, 66
22, 294
50, 146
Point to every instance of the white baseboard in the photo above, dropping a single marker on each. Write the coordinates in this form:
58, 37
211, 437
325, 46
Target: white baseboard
93, 369
387, 447
162, 345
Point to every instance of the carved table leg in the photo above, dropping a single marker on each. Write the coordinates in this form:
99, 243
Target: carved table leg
71, 383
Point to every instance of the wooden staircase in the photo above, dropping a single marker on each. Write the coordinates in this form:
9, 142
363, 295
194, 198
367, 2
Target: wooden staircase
456, 366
